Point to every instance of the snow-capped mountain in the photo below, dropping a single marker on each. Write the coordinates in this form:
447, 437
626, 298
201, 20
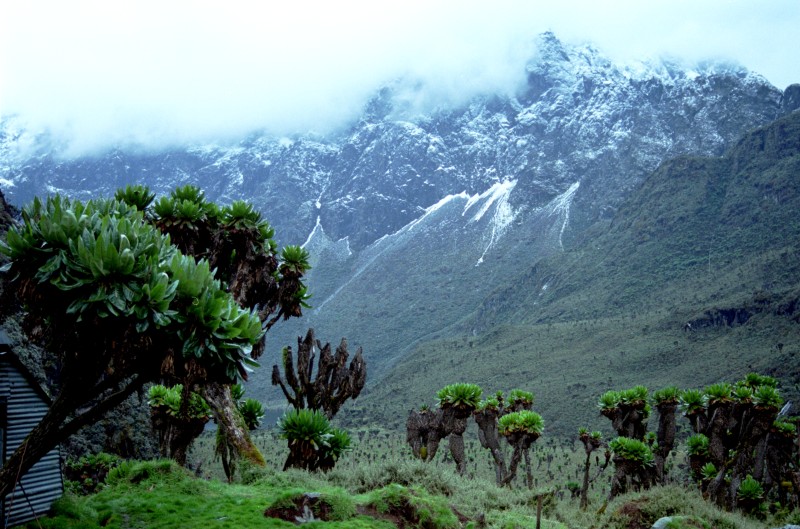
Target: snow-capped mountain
413, 218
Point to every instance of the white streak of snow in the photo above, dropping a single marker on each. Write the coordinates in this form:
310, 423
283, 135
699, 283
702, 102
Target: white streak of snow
560, 205
317, 226
499, 191
432, 209
503, 214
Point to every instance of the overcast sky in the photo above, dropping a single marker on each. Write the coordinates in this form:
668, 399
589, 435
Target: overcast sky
166, 72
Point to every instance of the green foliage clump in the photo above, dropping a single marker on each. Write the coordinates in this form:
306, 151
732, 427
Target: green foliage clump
697, 445
708, 471
304, 425
525, 421
460, 395
743, 393
755, 380
668, 395
88, 474
750, 490
520, 396
252, 412
313, 443
490, 403
692, 401
150, 472
102, 260
632, 450
718, 393
767, 397
137, 196
635, 396
171, 399
609, 400
784, 428
294, 260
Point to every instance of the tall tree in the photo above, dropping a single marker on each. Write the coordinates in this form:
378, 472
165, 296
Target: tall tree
120, 305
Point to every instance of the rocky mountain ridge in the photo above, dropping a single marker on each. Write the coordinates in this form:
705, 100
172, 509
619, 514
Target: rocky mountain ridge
414, 218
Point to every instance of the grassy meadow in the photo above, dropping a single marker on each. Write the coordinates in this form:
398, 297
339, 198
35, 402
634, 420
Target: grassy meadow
378, 479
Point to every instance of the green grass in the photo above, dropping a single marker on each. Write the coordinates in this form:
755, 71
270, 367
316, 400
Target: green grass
160, 495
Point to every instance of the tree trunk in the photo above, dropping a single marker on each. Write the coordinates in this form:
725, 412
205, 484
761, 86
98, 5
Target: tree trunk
489, 438
666, 437
585, 487
227, 417
457, 451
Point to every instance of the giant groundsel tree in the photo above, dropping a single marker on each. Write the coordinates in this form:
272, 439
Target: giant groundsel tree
120, 305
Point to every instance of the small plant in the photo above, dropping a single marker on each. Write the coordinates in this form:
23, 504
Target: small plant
460, 395
750, 490
490, 403
304, 426
743, 394
294, 261
708, 471
252, 412
697, 445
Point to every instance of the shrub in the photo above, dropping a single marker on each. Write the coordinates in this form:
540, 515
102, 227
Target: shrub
88, 474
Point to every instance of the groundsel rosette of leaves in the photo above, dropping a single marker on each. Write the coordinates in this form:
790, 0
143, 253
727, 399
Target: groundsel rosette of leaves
460, 395
524, 422
313, 443
632, 450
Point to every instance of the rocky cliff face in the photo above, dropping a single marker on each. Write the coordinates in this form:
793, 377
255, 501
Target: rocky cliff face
413, 217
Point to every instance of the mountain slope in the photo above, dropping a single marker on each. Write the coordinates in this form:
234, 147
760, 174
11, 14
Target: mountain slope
414, 215
696, 280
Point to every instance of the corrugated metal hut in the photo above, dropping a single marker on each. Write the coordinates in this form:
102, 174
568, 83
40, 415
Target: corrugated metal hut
23, 403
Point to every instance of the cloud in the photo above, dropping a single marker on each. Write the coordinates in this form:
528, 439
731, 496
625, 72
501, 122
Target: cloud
154, 74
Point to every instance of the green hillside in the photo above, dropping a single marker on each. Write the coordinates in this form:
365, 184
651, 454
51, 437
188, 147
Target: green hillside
708, 242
